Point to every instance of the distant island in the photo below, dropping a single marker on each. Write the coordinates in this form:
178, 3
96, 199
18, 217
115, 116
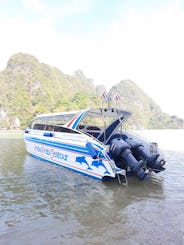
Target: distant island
28, 88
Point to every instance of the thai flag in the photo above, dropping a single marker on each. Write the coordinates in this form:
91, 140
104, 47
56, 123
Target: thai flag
117, 97
104, 95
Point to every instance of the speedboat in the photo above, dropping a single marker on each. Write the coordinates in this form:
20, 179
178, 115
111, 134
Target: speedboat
94, 143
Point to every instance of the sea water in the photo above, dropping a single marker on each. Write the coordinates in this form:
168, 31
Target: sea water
41, 203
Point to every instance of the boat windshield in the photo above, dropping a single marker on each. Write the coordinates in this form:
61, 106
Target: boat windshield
103, 116
102, 123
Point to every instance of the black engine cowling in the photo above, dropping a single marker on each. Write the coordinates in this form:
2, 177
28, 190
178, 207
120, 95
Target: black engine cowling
152, 161
131, 153
121, 152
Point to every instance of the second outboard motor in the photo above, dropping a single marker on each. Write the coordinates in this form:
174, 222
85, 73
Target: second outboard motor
121, 152
151, 160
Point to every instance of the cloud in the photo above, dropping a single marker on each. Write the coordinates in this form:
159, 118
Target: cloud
58, 10
146, 47
149, 50
34, 5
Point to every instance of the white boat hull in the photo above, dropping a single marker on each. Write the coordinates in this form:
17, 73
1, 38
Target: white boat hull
75, 157
93, 143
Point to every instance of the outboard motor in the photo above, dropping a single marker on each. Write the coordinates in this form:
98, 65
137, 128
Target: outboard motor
121, 152
152, 161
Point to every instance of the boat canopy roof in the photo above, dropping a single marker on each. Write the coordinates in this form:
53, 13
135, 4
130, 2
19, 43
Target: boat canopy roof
101, 123
60, 117
108, 112
72, 118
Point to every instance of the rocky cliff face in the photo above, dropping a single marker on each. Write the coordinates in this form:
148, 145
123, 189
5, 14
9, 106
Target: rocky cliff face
146, 113
28, 88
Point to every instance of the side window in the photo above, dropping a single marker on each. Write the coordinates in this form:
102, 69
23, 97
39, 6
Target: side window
49, 127
38, 126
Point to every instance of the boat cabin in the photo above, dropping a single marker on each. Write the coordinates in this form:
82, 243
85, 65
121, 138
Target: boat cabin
102, 123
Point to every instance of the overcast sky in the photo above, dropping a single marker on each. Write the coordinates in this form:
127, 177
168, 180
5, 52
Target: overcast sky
109, 40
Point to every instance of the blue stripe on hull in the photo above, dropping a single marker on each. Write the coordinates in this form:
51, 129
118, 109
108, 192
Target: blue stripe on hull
69, 168
64, 146
83, 152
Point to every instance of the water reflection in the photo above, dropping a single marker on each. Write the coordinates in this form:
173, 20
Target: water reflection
12, 152
64, 193
43, 202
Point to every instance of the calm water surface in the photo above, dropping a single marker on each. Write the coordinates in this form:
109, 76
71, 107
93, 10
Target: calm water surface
41, 203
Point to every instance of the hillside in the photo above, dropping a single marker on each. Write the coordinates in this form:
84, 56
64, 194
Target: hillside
146, 113
28, 87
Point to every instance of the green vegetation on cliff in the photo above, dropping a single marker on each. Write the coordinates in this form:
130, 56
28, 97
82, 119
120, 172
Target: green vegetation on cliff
146, 114
28, 88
